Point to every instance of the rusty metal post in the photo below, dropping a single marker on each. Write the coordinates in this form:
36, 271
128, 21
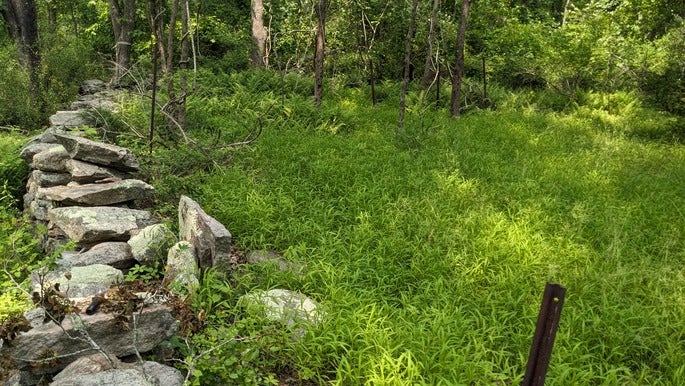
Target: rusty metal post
545, 332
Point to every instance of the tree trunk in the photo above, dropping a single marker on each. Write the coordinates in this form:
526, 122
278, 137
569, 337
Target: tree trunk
52, 16
320, 46
9, 14
407, 65
168, 49
258, 58
567, 3
21, 17
122, 14
156, 19
430, 68
184, 60
459, 65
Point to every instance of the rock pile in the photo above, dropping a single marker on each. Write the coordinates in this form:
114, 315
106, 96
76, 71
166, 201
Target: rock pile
85, 194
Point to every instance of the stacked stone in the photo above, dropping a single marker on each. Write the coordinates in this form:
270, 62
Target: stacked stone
82, 191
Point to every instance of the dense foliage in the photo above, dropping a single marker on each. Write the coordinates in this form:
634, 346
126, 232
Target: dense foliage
427, 249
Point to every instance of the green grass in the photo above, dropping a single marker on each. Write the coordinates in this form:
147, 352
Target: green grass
430, 252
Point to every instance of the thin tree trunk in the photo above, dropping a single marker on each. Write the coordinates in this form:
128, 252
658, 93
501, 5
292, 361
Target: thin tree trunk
122, 13
429, 68
156, 19
184, 60
459, 65
565, 14
259, 35
52, 16
319, 53
407, 65
374, 99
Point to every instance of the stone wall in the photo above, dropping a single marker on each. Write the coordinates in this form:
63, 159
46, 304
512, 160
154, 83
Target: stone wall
84, 192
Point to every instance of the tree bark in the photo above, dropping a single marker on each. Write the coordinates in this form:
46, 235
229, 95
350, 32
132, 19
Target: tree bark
122, 14
407, 65
258, 58
459, 65
430, 68
11, 18
22, 22
320, 46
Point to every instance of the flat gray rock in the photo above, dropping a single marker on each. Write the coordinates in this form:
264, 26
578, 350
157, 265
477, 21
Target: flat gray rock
267, 257
84, 282
154, 324
90, 225
100, 101
96, 370
97, 194
47, 179
290, 308
114, 253
99, 153
86, 172
212, 241
68, 119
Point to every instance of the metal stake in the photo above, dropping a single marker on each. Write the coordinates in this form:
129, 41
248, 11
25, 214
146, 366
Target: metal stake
545, 332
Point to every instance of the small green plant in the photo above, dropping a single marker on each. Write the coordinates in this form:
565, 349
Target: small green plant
145, 273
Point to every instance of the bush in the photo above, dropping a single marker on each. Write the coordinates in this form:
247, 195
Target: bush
16, 108
13, 170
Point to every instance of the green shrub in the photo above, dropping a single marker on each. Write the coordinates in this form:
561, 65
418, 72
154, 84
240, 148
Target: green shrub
16, 108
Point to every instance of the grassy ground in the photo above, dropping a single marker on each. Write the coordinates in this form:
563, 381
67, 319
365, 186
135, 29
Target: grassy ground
430, 251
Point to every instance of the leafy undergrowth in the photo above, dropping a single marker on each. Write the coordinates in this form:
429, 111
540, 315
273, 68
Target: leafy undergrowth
429, 251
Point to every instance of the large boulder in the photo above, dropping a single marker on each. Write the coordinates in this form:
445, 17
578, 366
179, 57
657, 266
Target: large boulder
80, 282
98, 194
99, 153
80, 334
90, 225
211, 240
114, 253
151, 244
